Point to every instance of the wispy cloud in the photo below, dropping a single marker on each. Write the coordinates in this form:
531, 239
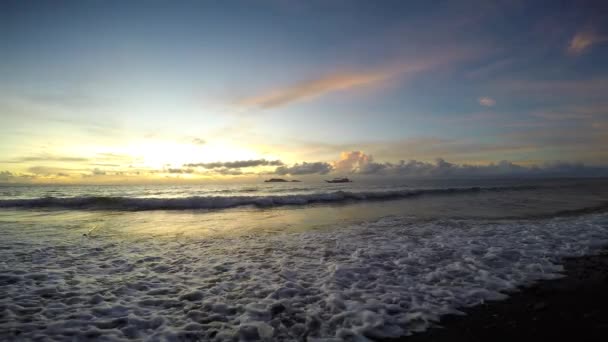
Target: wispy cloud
491, 69
468, 118
486, 101
595, 88
551, 115
49, 171
179, 170
313, 88
45, 157
422, 147
400, 63
199, 141
574, 112
237, 164
584, 40
106, 156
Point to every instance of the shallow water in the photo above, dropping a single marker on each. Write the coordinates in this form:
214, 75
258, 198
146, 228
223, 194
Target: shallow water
350, 269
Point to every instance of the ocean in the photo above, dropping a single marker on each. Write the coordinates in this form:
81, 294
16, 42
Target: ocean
280, 261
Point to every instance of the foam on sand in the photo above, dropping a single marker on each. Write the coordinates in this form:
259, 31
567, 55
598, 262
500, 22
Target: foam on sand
380, 279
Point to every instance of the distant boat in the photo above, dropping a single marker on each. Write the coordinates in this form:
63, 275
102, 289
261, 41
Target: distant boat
280, 180
339, 180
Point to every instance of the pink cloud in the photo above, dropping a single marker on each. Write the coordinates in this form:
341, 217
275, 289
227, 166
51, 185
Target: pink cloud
583, 41
486, 101
356, 78
350, 161
317, 87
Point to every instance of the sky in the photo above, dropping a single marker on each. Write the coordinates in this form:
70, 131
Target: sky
180, 91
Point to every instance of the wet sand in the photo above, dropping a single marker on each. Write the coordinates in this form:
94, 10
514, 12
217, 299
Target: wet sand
573, 308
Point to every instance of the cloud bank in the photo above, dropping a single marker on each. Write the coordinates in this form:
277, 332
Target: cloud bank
5, 176
355, 164
304, 168
359, 163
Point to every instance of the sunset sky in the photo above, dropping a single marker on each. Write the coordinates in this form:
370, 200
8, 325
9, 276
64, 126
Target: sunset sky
138, 91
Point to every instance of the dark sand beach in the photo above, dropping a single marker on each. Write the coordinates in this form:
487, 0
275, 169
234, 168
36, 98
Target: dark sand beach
573, 308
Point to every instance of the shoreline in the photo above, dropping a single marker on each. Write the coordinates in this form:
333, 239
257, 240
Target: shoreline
574, 307
364, 280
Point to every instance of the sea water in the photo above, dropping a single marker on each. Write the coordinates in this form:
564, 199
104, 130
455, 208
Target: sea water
280, 261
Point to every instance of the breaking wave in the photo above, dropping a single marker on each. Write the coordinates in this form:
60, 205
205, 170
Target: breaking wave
222, 202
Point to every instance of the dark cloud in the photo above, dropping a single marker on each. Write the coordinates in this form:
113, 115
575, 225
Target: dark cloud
364, 165
5, 176
229, 172
96, 172
237, 164
44, 170
357, 162
305, 169
179, 170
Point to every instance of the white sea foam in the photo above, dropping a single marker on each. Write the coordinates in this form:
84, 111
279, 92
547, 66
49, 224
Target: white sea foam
380, 279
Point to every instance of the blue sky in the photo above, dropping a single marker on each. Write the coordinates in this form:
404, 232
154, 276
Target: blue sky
94, 90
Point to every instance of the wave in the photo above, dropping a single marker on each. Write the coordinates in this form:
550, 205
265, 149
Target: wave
596, 209
222, 202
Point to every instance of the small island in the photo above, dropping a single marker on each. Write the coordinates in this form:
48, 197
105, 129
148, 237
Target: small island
339, 180
279, 180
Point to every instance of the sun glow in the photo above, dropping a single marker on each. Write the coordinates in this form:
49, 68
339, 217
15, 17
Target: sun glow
161, 154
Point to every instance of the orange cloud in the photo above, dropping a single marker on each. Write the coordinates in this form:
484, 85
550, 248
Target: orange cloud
318, 87
399, 66
583, 41
350, 161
